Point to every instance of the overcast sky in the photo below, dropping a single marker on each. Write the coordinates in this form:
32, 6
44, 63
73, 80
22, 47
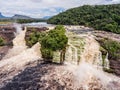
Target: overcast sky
41, 8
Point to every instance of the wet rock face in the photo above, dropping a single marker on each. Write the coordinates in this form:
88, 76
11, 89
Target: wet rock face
115, 65
39, 76
7, 28
34, 78
8, 36
3, 51
35, 29
7, 33
101, 35
43, 76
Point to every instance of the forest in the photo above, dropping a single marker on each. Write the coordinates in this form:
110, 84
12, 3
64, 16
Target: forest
99, 17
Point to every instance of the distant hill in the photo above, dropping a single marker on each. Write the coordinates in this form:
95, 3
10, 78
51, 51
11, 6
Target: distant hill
17, 16
47, 17
1, 16
100, 17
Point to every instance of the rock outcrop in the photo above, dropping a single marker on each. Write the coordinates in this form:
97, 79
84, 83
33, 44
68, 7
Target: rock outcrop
7, 32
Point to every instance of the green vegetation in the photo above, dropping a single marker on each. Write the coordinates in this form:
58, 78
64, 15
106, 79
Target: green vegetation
54, 40
112, 47
1, 41
30, 20
108, 70
9, 21
100, 17
35, 37
6, 21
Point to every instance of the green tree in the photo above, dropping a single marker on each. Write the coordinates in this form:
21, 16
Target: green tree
110, 27
55, 40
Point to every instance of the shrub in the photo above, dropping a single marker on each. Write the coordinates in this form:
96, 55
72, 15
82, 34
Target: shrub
113, 48
34, 38
1, 41
55, 40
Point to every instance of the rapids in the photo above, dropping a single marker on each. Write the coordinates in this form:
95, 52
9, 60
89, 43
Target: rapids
19, 55
83, 62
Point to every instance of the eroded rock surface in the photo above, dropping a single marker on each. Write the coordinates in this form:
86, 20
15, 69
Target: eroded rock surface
37, 76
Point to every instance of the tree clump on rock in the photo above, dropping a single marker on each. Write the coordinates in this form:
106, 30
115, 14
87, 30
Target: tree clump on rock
54, 40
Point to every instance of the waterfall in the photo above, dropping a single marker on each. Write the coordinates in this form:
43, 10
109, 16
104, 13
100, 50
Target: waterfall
106, 64
83, 59
83, 48
20, 55
72, 55
91, 51
19, 43
88, 77
89, 73
18, 28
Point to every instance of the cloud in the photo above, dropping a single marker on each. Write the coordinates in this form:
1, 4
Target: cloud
41, 8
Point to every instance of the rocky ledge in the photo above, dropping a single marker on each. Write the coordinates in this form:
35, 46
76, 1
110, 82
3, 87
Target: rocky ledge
40, 76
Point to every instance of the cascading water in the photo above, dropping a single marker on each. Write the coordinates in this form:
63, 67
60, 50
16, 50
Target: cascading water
18, 28
82, 69
20, 50
89, 74
107, 65
19, 43
19, 55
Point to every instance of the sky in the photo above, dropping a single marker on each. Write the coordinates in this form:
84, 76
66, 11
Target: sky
42, 8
